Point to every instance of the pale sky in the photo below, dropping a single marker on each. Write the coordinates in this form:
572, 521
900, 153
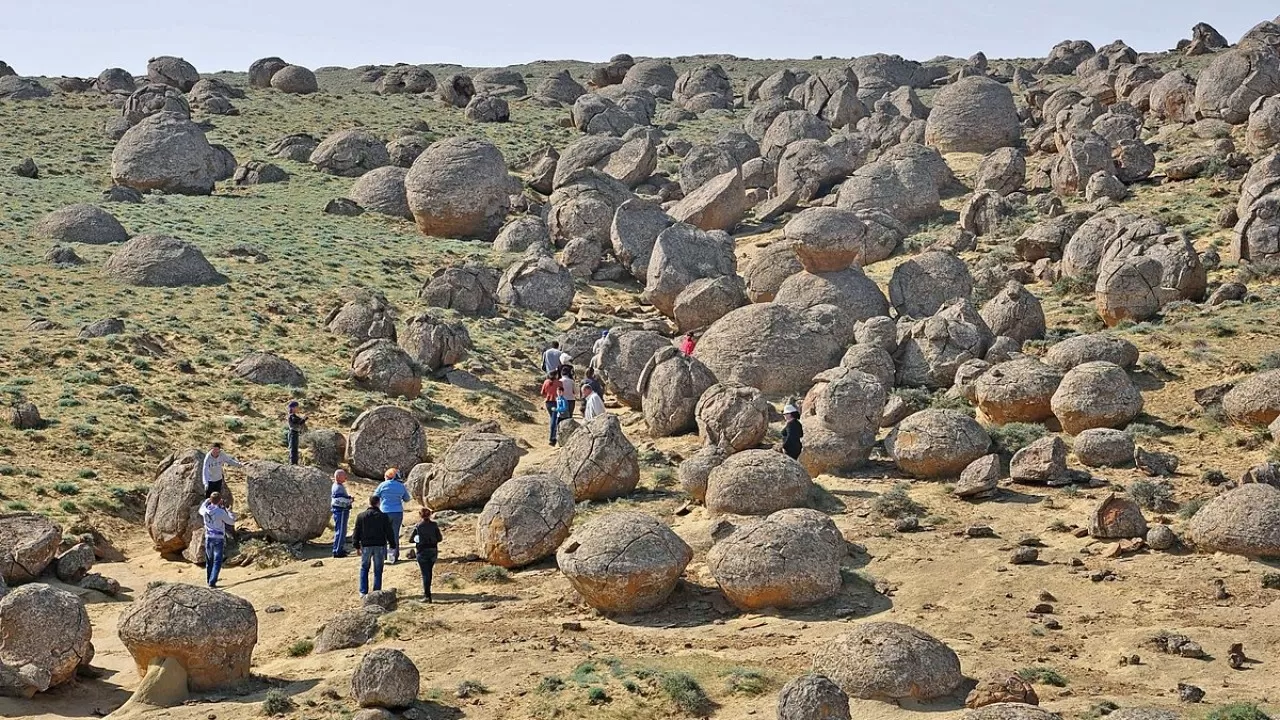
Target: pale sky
82, 37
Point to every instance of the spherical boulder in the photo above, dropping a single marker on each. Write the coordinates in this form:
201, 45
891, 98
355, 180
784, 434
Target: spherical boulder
261, 71
812, 697
1013, 711
385, 678
364, 315
1095, 395
263, 368
173, 500
889, 661
385, 437
856, 296
624, 562
1103, 447
289, 502
1244, 521
211, 633
598, 461
161, 261
169, 70
1015, 312
681, 255
1017, 391
670, 386
459, 187
81, 223
167, 152
734, 415
471, 470
757, 482
381, 190
350, 153
28, 543
770, 267
45, 636
789, 559
622, 360
294, 80
974, 114
435, 341
1094, 347
1117, 517
772, 347
521, 234
484, 108
921, 285
1255, 401
938, 443
537, 283
695, 472
826, 239
526, 520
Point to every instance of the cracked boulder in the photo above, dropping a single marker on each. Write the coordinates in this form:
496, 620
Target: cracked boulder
289, 502
45, 636
789, 559
772, 347
671, 384
173, 503
923, 284
625, 355
28, 543
526, 520
934, 348
757, 482
474, 467
842, 414
937, 443
1095, 395
1017, 391
1244, 521
385, 437
1117, 518
889, 661
624, 562
435, 341
732, 415
598, 461
381, 366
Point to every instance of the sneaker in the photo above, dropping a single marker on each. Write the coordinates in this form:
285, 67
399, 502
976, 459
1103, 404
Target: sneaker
427, 598
362, 595
340, 554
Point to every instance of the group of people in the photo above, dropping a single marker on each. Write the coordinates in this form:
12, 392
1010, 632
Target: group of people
561, 392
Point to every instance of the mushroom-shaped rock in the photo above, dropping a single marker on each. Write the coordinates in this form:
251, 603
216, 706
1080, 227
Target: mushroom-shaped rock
161, 261
82, 223
938, 443
933, 349
169, 70
598, 461
525, 520
789, 559
385, 678
381, 190
1117, 517
1244, 521
1015, 312
382, 366
921, 285
538, 283
812, 697
294, 80
434, 341
1017, 391
289, 502
1254, 401
826, 239
974, 114
889, 661
1103, 447
772, 347
623, 562
757, 482
471, 470
174, 500
734, 415
1094, 347
385, 437
209, 632
682, 254
167, 152
350, 153
263, 368
45, 636
670, 385
28, 543
1096, 395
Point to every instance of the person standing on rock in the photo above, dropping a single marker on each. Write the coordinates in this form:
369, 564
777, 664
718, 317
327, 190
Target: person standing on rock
687, 344
393, 495
373, 535
211, 472
340, 502
426, 538
592, 404
297, 424
551, 358
597, 351
217, 521
550, 394
570, 390
792, 432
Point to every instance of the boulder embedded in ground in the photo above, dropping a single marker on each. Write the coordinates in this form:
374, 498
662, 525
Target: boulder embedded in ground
470, 289
435, 341
979, 478
45, 636
173, 500
775, 348
1017, 391
734, 415
789, 559
161, 261
1103, 447
297, 147
167, 152
812, 697
974, 114
1015, 312
1003, 171
350, 153
921, 285
289, 502
623, 562
1254, 401
670, 386
526, 520
1229, 86
381, 190
1117, 518
484, 108
695, 472
471, 470
623, 359
1096, 395
938, 443
634, 232
521, 234
365, 315
294, 80
1244, 521
757, 482
82, 223
539, 283
380, 365
889, 661
385, 678
211, 633
257, 172
385, 437
903, 188
1080, 349
169, 70
598, 461
348, 629
28, 543
261, 70
263, 368
1011, 711
1042, 462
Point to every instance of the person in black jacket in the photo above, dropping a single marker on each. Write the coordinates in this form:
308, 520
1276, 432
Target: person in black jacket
372, 536
426, 538
792, 433
297, 424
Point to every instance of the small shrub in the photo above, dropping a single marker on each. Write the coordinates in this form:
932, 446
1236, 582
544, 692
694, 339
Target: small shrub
585, 674
1190, 508
1042, 675
492, 574
300, 648
550, 684
1213, 477
1009, 439
470, 689
277, 703
896, 503
744, 681
915, 398
68, 507
1059, 526
67, 488
87, 474
1066, 286
1153, 496
17, 506
1237, 711
664, 478
596, 695
1270, 361
1138, 431
1271, 581
684, 691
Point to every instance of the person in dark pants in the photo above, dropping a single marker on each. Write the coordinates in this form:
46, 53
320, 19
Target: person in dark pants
297, 424
792, 432
550, 393
596, 386
218, 521
340, 503
373, 535
570, 390
426, 538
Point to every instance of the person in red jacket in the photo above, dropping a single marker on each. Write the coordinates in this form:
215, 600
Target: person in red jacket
687, 344
551, 388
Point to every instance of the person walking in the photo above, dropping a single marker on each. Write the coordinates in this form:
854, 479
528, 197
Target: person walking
562, 406
426, 538
687, 344
217, 521
792, 432
340, 502
211, 472
372, 536
550, 393
570, 390
297, 424
596, 386
551, 358
393, 495
592, 403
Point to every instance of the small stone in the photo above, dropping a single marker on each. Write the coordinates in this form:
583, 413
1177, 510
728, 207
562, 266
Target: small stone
1052, 624
1042, 609
1046, 596
274, 609
979, 531
1154, 463
1161, 537
1024, 556
911, 523
1189, 693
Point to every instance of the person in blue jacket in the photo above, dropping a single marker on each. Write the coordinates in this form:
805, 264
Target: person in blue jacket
393, 495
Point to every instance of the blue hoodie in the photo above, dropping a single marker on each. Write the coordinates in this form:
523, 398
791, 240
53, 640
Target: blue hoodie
393, 494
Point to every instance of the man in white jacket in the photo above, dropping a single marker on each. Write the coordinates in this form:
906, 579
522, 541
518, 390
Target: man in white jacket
593, 404
217, 521
214, 461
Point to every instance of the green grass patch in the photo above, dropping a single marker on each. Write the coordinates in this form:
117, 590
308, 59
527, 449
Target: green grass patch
300, 648
896, 503
1042, 675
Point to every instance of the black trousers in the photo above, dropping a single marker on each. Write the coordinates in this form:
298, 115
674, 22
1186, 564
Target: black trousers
427, 563
293, 447
213, 487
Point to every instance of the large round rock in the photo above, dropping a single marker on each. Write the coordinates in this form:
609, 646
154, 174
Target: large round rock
538, 283
526, 520
827, 239
757, 482
170, 70
1255, 401
28, 543
974, 114
473, 467
1244, 521
938, 443
209, 632
732, 415
167, 152
624, 562
294, 80
812, 697
1094, 347
459, 188
290, 502
775, 348
1096, 395
45, 636
1103, 447
671, 385
350, 153
81, 223
1017, 391
173, 501
621, 362
889, 661
598, 461
382, 191
385, 678
790, 559
926, 282
161, 261
385, 437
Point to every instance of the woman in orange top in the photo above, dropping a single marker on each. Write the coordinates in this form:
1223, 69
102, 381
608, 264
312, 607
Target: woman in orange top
550, 387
